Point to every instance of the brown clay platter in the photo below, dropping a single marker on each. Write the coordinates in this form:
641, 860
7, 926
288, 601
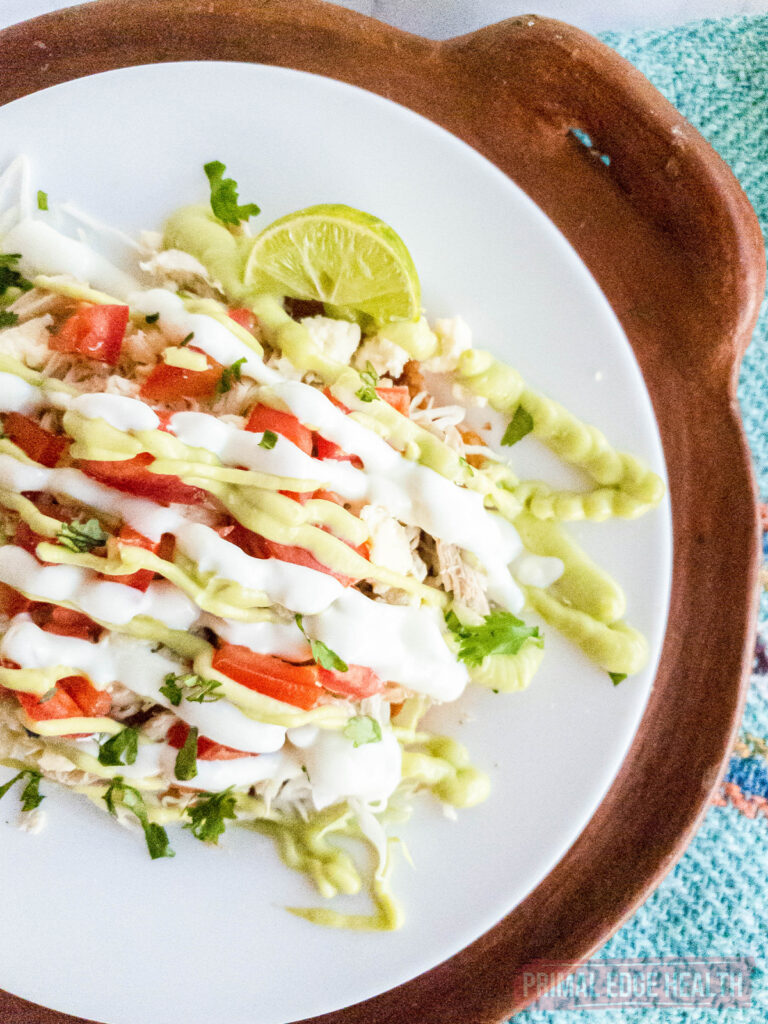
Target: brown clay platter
675, 247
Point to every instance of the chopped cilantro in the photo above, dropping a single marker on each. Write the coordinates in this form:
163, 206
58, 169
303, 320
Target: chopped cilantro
520, 425
229, 375
120, 749
8, 319
42, 200
79, 536
192, 686
269, 440
362, 729
49, 695
224, 196
152, 318
617, 677
499, 633
369, 377
185, 341
323, 654
30, 796
186, 759
208, 814
156, 836
9, 277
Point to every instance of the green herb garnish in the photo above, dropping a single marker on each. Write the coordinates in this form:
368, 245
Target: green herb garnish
269, 440
499, 633
9, 277
617, 677
362, 729
520, 425
185, 341
224, 196
229, 375
152, 318
207, 816
79, 536
192, 686
369, 377
156, 836
30, 796
186, 759
120, 749
8, 319
323, 654
42, 200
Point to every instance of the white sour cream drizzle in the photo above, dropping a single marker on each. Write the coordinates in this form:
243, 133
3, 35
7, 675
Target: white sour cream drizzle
296, 587
135, 665
337, 768
101, 599
283, 639
18, 395
118, 411
401, 644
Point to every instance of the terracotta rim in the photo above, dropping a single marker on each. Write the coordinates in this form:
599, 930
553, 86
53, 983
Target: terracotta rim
675, 246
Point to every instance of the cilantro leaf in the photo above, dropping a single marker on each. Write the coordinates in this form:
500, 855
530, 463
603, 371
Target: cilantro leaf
617, 677
9, 277
499, 633
152, 318
224, 196
369, 377
186, 759
520, 425
79, 536
155, 835
209, 813
42, 200
269, 440
323, 654
362, 729
8, 319
186, 340
120, 749
229, 375
192, 686
30, 796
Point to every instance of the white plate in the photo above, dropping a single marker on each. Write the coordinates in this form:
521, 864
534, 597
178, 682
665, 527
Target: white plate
92, 926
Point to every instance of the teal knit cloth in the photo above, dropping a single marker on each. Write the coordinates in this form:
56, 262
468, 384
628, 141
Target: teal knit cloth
715, 902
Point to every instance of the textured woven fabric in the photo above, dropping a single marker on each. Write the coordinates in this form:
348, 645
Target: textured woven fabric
715, 902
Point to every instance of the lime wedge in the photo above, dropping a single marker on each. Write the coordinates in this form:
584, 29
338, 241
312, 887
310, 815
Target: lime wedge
350, 260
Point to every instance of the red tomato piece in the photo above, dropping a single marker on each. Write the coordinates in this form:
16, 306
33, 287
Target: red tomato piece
39, 444
300, 556
60, 705
140, 579
25, 537
93, 331
293, 684
65, 621
358, 681
399, 397
207, 750
263, 417
12, 602
168, 383
245, 318
328, 450
134, 477
92, 703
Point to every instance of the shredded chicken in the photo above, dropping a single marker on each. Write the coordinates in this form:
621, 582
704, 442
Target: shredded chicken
456, 575
385, 357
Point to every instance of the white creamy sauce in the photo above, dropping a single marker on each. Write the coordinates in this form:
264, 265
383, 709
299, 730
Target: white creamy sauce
401, 644
18, 395
211, 336
294, 586
338, 769
100, 599
119, 411
137, 666
148, 518
537, 570
283, 639
46, 251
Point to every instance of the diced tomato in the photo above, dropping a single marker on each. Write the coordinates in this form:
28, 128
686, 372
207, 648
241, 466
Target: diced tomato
25, 537
168, 383
207, 750
304, 496
93, 331
328, 450
140, 579
398, 397
12, 602
358, 681
60, 705
92, 703
65, 621
332, 398
301, 556
293, 684
263, 417
165, 421
39, 444
134, 477
245, 318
